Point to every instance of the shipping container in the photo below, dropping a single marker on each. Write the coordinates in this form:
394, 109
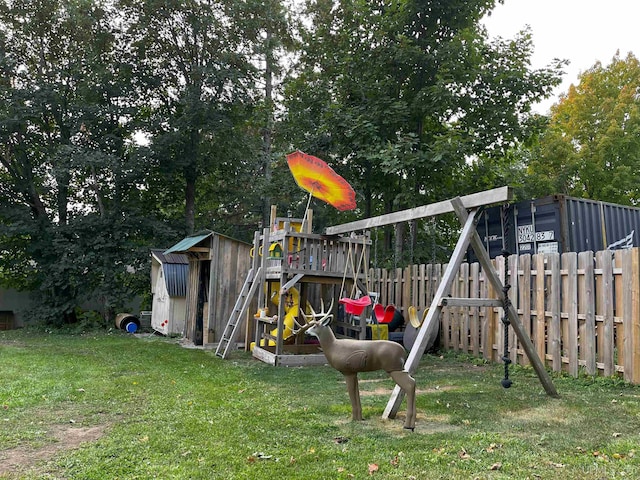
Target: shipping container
558, 223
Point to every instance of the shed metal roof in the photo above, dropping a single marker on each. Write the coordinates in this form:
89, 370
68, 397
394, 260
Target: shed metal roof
169, 258
188, 242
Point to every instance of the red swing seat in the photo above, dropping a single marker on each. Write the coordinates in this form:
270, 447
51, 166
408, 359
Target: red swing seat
384, 315
355, 306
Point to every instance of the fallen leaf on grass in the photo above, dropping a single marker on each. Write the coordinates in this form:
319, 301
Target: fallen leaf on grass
258, 456
463, 454
496, 466
395, 461
373, 468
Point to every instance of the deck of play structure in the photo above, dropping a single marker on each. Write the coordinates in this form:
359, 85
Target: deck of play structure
292, 268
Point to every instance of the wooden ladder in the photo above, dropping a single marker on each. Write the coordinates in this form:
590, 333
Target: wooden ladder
251, 284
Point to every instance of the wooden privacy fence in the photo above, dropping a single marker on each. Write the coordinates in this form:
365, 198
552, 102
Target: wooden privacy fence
581, 310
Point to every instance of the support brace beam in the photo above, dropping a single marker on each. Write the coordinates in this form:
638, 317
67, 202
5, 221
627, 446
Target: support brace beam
494, 279
468, 236
433, 315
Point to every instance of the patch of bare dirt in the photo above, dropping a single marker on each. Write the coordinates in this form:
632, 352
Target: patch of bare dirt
387, 391
64, 438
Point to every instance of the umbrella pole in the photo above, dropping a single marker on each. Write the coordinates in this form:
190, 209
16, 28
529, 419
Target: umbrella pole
304, 218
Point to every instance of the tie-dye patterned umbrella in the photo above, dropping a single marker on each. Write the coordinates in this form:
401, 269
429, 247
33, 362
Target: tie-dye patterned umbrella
321, 181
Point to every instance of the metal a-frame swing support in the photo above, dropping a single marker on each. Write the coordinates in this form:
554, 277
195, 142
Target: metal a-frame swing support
466, 208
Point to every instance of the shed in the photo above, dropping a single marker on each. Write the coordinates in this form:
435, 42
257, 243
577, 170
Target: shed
12, 304
169, 290
218, 266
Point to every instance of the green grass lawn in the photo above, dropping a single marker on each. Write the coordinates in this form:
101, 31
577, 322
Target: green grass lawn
111, 405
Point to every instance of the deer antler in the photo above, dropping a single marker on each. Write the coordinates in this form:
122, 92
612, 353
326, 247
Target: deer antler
314, 318
321, 316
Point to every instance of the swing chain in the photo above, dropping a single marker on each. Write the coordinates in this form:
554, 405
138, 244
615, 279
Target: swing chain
506, 304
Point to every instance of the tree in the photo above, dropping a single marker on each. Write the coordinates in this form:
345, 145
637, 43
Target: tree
71, 221
592, 147
194, 62
400, 96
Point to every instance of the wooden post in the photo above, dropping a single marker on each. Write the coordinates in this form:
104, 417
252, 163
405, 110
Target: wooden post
555, 331
588, 309
539, 336
524, 286
605, 304
492, 275
570, 296
433, 315
474, 324
634, 314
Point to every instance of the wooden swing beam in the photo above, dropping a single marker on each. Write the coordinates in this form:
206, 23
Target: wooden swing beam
466, 208
475, 200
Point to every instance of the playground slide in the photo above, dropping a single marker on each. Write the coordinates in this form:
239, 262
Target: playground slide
291, 309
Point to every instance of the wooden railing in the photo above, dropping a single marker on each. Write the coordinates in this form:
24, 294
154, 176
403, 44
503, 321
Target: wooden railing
317, 255
581, 310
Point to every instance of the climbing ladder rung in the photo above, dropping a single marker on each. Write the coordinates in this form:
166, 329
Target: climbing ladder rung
239, 310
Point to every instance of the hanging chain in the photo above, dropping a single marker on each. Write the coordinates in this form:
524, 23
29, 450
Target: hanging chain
506, 302
411, 234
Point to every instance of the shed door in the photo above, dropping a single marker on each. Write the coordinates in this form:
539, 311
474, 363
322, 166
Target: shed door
6, 320
203, 299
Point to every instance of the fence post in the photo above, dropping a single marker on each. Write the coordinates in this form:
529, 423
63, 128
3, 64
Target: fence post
587, 307
474, 325
630, 260
524, 287
604, 262
555, 331
570, 306
539, 331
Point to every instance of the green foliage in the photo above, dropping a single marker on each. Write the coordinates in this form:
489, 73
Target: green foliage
126, 124
592, 146
400, 101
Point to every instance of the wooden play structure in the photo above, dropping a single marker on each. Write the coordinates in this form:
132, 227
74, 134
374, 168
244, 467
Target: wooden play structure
310, 260
286, 259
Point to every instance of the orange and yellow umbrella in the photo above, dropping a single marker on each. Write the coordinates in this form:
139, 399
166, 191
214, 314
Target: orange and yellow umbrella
320, 180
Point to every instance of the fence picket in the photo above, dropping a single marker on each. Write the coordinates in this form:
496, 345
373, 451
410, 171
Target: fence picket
570, 306
580, 310
524, 297
555, 330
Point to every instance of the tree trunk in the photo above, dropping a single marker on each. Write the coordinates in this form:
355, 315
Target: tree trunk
268, 128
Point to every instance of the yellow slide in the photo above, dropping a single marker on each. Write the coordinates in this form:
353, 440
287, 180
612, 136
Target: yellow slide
291, 308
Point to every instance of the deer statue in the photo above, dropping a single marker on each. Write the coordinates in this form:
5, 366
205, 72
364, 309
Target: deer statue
350, 356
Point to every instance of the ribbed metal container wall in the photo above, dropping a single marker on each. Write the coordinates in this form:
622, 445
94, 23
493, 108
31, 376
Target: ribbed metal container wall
558, 223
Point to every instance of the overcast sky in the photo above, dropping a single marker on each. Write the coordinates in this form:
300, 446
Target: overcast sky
581, 31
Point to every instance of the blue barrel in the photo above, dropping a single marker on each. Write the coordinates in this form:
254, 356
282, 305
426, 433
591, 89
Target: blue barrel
127, 322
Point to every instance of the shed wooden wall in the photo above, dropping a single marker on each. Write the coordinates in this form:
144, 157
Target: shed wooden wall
230, 263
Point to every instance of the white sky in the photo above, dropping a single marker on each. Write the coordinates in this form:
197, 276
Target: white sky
581, 31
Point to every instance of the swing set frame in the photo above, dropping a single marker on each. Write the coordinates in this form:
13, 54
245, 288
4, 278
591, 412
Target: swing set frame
467, 209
